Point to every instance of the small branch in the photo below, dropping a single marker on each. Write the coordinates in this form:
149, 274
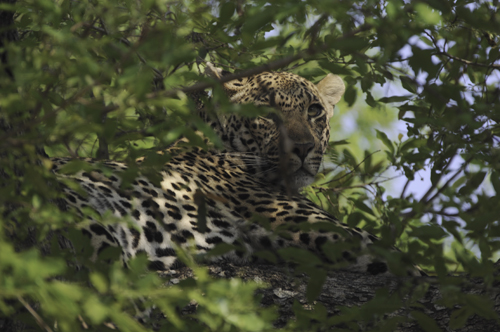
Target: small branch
259, 69
82, 321
25, 126
442, 213
468, 62
426, 202
363, 185
330, 201
450, 180
429, 191
126, 42
196, 87
37, 317
404, 188
245, 73
314, 30
355, 167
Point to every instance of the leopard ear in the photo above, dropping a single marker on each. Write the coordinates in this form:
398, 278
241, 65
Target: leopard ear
213, 72
331, 89
231, 87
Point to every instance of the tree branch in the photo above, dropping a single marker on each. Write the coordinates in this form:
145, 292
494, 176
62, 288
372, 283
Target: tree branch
493, 65
280, 63
352, 171
431, 189
35, 315
355, 292
440, 190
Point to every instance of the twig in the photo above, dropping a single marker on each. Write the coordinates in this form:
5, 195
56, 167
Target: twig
24, 126
442, 213
429, 191
196, 87
355, 167
450, 180
110, 325
37, 317
404, 188
126, 42
245, 73
259, 69
363, 185
82, 321
468, 62
329, 201
314, 30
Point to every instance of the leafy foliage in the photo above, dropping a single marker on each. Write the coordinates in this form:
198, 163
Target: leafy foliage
112, 80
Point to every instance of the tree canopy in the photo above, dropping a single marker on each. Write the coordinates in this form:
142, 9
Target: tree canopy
123, 79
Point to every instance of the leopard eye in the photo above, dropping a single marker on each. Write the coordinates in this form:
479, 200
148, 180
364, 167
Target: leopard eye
314, 110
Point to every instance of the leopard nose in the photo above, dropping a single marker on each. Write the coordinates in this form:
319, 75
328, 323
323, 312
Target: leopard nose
303, 149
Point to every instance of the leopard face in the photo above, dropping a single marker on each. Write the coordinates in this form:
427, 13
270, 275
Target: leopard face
287, 146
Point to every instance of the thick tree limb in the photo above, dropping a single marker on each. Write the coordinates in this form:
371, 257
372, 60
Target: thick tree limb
344, 289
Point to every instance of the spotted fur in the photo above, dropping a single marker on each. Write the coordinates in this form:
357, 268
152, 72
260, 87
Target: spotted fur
265, 161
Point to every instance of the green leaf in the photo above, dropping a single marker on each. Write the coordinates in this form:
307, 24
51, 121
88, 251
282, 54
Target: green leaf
476, 180
412, 143
495, 181
363, 207
99, 282
95, 310
368, 162
482, 305
256, 22
221, 249
226, 11
352, 44
408, 84
370, 100
494, 54
435, 176
473, 183
335, 68
341, 142
425, 322
315, 284
383, 137
75, 166
429, 232
459, 317
299, 256
350, 95
427, 14
395, 99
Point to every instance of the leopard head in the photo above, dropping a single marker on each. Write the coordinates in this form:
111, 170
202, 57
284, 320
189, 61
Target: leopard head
291, 141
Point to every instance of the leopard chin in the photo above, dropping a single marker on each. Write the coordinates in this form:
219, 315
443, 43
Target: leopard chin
299, 179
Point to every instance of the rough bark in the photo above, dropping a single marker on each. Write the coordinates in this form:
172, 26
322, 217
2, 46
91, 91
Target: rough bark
349, 289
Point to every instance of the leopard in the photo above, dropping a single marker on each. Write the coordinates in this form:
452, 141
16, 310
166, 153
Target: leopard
245, 193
